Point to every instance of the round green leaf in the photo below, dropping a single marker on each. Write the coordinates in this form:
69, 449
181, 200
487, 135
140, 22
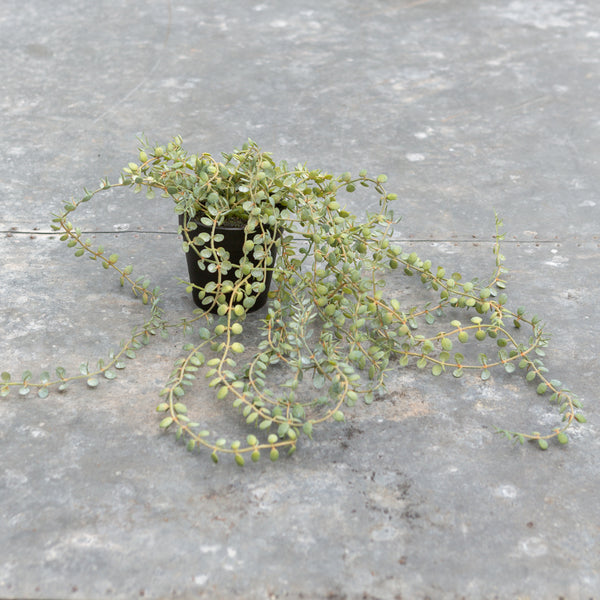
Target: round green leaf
166, 422
338, 415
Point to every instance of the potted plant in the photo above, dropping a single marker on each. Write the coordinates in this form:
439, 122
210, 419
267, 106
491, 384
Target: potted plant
329, 333
226, 216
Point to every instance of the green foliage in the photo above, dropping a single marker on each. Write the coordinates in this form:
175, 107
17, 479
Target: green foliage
328, 324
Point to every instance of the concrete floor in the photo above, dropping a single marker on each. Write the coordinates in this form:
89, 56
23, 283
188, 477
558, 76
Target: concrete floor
468, 106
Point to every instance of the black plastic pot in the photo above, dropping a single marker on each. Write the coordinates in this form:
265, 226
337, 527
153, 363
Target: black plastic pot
233, 242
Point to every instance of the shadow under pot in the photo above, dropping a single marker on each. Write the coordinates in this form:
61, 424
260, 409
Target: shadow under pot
204, 267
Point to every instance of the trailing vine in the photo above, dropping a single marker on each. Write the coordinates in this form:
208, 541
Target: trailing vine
329, 323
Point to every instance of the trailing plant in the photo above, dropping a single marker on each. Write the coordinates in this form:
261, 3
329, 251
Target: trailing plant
329, 325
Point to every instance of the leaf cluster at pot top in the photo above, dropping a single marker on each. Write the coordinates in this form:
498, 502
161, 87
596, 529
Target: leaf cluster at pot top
329, 323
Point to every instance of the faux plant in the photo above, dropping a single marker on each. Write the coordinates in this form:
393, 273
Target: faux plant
329, 329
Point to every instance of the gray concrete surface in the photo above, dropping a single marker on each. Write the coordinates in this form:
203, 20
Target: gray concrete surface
468, 106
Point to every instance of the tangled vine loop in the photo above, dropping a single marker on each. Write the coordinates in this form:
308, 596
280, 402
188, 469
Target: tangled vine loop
328, 321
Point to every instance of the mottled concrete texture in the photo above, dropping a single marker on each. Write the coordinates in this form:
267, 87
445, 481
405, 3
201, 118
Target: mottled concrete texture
468, 106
